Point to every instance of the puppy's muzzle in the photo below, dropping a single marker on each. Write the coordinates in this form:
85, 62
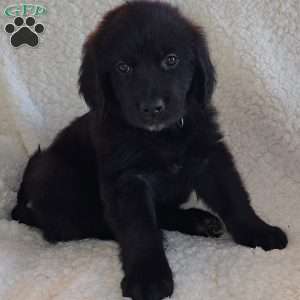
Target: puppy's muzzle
152, 110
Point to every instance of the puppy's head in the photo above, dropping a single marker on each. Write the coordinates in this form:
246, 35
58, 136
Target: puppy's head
146, 63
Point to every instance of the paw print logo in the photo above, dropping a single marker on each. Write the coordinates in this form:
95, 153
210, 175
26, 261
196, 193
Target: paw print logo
24, 33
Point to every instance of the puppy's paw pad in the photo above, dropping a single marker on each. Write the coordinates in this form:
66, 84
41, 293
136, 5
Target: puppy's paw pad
213, 226
204, 223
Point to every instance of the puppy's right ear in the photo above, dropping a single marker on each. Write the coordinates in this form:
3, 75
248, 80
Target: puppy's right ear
204, 80
89, 77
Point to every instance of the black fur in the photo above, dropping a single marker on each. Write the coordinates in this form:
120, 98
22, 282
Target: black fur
121, 173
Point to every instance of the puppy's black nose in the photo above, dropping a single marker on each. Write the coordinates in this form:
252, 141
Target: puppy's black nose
155, 107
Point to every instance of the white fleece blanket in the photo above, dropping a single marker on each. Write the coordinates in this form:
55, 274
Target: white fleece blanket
256, 48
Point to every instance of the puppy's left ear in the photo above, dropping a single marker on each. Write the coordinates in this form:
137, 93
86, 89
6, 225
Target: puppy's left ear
204, 80
90, 80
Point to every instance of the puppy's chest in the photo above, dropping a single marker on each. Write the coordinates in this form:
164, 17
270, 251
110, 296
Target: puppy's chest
170, 158
171, 155
175, 168
180, 159
172, 161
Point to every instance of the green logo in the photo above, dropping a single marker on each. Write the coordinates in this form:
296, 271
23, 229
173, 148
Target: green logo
24, 29
24, 10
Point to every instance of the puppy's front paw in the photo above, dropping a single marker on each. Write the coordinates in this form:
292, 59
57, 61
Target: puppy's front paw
263, 235
153, 282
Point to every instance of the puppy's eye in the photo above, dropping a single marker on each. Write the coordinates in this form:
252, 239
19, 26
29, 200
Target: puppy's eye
170, 61
123, 67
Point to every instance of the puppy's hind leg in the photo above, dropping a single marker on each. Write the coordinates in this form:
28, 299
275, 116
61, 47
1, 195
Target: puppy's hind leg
191, 221
52, 197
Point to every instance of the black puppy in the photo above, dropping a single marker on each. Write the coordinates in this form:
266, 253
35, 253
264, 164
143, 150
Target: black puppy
122, 170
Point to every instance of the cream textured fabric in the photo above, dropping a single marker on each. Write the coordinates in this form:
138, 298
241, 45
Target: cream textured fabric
255, 46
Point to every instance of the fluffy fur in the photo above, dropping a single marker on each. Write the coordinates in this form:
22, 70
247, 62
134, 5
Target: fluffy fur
151, 137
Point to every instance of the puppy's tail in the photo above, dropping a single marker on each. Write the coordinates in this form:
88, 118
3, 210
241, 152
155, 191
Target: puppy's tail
24, 215
22, 212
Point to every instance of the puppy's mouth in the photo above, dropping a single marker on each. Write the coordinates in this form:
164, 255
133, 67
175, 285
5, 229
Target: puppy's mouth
156, 127
156, 124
